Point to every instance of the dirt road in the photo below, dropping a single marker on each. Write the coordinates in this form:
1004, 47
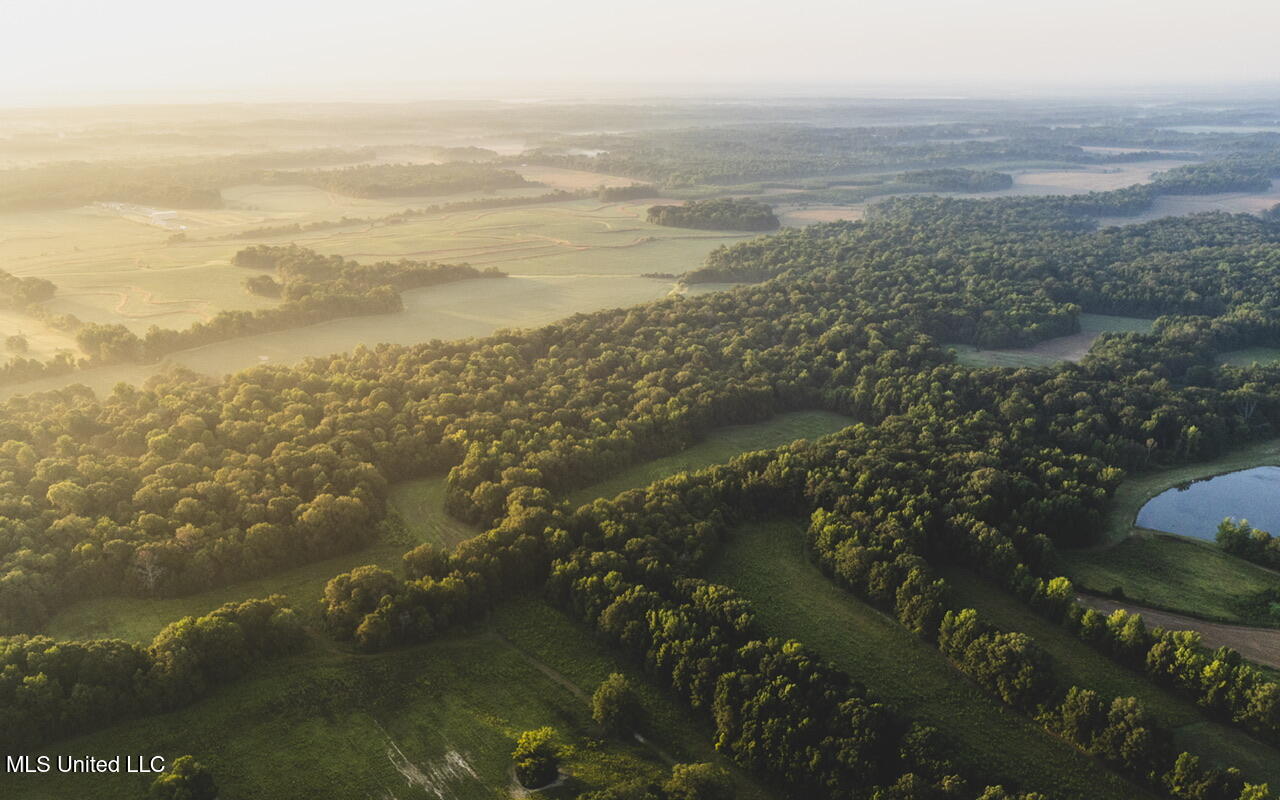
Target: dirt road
1260, 645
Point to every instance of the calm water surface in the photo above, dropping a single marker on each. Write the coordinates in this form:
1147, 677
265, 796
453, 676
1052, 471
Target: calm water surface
1195, 509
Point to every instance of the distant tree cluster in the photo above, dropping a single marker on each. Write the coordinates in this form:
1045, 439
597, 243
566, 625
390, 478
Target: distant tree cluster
635, 191
18, 292
54, 689
1239, 538
189, 483
739, 155
408, 180
168, 183
720, 214
956, 179
314, 288
400, 217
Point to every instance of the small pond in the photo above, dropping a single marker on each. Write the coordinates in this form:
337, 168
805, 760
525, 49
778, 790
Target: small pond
1195, 509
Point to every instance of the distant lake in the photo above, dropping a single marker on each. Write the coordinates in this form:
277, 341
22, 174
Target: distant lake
1197, 509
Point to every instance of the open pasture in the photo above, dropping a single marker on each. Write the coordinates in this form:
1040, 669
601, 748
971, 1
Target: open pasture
1250, 356
564, 258
420, 505
1055, 350
1027, 181
1181, 205
766, 563
435, 721
1171, 572
571, 179
1184, 575
718, 447
1093, 178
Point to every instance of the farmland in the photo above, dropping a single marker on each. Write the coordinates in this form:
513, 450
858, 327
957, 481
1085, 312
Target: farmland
767, 564
719, 446
426, 722
1083, 666
136, 531
564, 258
418, 506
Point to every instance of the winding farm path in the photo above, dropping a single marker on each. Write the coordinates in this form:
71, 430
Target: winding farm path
1259, 645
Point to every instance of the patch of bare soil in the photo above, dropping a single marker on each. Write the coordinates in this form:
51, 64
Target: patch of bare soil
1260, 645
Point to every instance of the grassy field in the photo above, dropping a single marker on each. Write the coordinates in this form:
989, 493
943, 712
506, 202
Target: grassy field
1250, 356
140, 619
1181, 205
420, 504
718, 447
565, 258
434, 721
1181, 574
1171, 572
1028, 179
1052, 351
1080, 665
766, 563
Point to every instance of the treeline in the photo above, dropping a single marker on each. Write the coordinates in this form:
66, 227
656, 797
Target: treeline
739, 155
958, 180
636, 191
19, 293
875, 548
880, 548
625, 580
400, 217
1239, 538
776, 708
855, 327
314, 289
25, 296
719, 214
174, 183
408, 180
189, 484
51, 690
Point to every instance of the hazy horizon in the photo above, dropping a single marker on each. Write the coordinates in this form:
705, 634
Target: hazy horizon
73, 53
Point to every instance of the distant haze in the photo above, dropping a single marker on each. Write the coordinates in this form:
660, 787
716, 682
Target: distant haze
72, 52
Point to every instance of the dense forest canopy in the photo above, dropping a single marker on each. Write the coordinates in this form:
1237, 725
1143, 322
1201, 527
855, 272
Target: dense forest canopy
720, 214
190, 483
736, 155
955, 179
407, 180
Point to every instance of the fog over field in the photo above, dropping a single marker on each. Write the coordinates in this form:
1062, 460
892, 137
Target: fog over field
667, 401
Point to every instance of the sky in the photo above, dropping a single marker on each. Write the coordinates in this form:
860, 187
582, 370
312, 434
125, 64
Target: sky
71, 52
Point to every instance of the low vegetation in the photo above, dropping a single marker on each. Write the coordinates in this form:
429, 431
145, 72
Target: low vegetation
958, 180
829, 660
408, 180
1173, 573
314, 288
439, 718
